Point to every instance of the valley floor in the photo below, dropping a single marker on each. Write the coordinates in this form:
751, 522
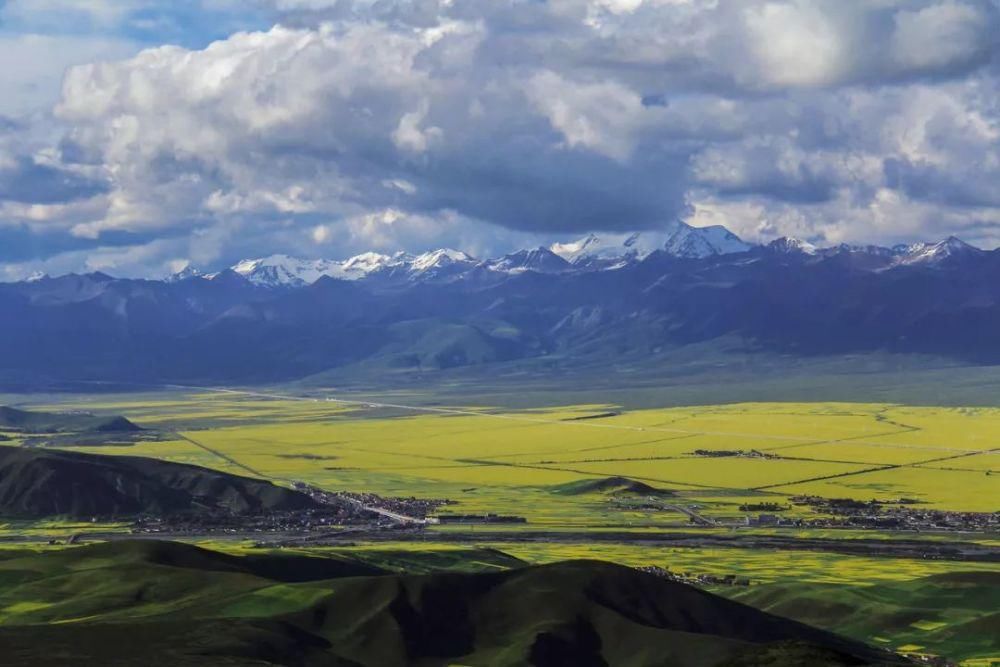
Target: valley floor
711, 493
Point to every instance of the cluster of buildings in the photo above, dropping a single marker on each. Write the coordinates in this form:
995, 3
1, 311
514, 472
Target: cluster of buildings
418, 508
898, 514
696, 579
298, 521
744, 453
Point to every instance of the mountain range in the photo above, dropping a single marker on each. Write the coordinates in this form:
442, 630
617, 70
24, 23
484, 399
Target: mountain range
600, 299
590, 253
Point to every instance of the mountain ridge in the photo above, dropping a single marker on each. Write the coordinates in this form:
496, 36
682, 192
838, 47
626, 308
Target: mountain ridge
589, 253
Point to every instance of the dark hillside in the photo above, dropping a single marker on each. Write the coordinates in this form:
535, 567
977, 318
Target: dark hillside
42, 483
53, 422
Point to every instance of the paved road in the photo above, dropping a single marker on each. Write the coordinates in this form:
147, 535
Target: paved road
698, 518
900, 547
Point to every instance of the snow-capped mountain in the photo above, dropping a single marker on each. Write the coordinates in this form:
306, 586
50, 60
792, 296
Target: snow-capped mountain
285, 271
932, 253
679, 240
791, 245
438, 260
610, 247
540, 260
365, 264
591, 253
696, 242
278, 270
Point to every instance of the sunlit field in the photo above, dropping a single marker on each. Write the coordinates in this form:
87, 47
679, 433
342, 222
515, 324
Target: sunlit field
512, 461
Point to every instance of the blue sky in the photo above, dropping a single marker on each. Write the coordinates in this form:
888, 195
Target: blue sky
139, 136
189, 23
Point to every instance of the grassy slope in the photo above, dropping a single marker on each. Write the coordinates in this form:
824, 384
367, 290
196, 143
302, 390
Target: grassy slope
955, 613
164, 603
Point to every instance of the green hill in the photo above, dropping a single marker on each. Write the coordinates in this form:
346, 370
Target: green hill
38, 483
169, 604
956, 613
609, 485
57, 422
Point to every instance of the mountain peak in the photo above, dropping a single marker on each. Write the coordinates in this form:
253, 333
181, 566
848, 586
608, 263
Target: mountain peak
539, 260
932, 253
697, 242
184, 274
678, 239
368, 262
792, 245
440, 258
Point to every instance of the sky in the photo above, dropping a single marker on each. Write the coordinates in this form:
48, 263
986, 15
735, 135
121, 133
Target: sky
138, 137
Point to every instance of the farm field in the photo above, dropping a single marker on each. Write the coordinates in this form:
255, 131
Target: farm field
508, 461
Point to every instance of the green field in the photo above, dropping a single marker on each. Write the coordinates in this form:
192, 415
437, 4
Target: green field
522, 461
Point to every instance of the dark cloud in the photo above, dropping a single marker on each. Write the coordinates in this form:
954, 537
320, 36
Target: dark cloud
26, 181
954, 186
23, 243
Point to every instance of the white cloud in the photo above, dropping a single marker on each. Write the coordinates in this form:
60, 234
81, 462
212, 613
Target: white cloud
796, 44
603, 117
321, 234
409, 136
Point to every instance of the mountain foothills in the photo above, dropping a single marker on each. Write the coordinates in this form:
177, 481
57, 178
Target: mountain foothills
598, 300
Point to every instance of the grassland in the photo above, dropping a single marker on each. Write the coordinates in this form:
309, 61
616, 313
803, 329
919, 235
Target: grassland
515, 461
952, 613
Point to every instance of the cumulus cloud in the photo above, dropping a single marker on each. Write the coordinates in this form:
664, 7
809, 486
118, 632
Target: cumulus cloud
398, 124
